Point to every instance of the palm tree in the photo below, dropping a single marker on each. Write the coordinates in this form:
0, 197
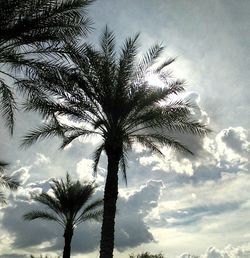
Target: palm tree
6, 181
146, 255
31, 33
108, 95
69, 206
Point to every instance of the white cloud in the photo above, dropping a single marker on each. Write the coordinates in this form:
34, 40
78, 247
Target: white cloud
237, 139
41, 159
84, 170
22, 174
242, 251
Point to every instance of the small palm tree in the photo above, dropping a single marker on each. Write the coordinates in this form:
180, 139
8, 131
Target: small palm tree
69, 206
6, 181
108, 95
31, 30
41, 256
146, 255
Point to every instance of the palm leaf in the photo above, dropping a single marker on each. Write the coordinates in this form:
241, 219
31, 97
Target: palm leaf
8, 105
123, 166
150, 58
94, 216
108, 43
96, 157
9, 182
37, 214
43, 132
2, 198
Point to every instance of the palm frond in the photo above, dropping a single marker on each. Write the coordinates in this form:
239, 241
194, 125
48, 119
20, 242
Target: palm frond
92, 206
41, 256
123, 166
3, 165
3, 198
37, 214
42, 132
71, 133
165, 64
8, 182
162, 140
108, 43
8, 105
150, 58
127, 61
49, 201
91, 212
96, 157
91, 216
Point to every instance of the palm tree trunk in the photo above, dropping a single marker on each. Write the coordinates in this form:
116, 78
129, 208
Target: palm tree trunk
68, 234
109, 210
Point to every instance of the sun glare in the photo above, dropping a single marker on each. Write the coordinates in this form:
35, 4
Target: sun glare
154, 80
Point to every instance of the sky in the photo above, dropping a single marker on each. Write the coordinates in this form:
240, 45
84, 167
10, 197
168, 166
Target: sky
179, 205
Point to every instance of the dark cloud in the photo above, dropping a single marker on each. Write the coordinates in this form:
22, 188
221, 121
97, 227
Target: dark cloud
87, 236
14, 256
26, 232
236, 139
194, 214
139, 204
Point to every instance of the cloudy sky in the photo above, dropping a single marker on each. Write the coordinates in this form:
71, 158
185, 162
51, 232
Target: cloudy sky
177, 205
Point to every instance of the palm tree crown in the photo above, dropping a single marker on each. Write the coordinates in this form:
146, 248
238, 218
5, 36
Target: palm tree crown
108, 95
6, 181
31, 30
69, 206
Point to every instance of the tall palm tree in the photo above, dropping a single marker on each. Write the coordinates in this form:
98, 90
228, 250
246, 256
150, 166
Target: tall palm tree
6, 181
32, 31
108, 95
69, 206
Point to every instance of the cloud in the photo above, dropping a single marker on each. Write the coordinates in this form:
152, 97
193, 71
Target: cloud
84, 171
14, 256
188, 256
139, 204
226, 152
241, 251
21, 175
86, 238
237, 139
13, 222
41, 159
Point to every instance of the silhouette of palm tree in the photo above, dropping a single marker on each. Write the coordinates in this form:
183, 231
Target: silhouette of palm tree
146, 255
41, 256
109, 96
32, 30
69, 206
